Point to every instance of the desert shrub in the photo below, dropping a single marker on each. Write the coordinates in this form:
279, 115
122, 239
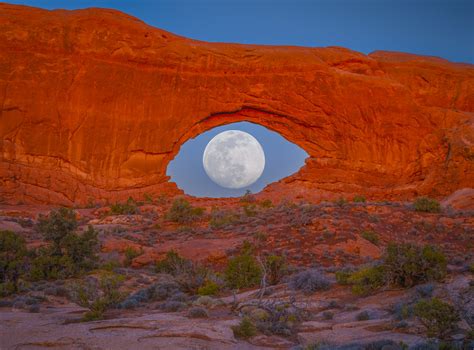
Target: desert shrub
276, 267
148, 198
362, 316
471, 268
367, 280
266, 203
328, 315
309, 281
209, 288
358, 199
189, 275
260, 236
243, 270
12, 261
407, 265
173, 263
130, 207
426, 205
130, 254
245, 329
98, 295
221, 218
172, 306
402, 311
342, 277
111, 265
437, 316
425, 290
47, 266
248, 197
370, 236
159, 291
280, 318
250, 209
340, 202
183, 212
198, 312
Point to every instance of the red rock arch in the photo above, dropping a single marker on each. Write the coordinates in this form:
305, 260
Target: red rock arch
94, 105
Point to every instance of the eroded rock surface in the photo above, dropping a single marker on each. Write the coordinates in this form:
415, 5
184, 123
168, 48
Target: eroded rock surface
95, 104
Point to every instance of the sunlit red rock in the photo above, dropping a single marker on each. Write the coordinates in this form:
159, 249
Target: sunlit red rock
95, 104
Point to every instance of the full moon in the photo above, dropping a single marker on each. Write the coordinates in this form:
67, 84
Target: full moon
234, 159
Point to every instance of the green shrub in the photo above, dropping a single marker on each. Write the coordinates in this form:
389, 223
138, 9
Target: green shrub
341, 202
250, 209
183, 212
110, 265
148, 198
221, 218
260, 236
173, 264
12, 261
437, 316
370, 236
358, 199
427, 205
342, 277
243, 270
267, 203
130, 254
128, 208
98, 297
209, 288
404, 265
276, 267
407, 265
367, 280
187, 274
246, 329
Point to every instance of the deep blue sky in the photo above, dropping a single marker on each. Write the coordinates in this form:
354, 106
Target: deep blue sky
442, 28
282, 158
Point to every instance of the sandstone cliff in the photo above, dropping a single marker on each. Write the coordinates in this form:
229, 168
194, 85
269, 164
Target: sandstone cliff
95, 103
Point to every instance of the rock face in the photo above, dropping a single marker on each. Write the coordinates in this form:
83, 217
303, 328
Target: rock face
95, 103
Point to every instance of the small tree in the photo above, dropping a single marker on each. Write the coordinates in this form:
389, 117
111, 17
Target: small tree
57, 225
12, 261
68, 252
183, 212
406, 264
276, 267
243, 270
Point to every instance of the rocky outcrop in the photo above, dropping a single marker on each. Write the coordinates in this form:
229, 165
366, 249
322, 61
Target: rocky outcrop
95, 103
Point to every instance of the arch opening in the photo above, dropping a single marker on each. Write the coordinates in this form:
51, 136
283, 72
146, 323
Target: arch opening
282, 158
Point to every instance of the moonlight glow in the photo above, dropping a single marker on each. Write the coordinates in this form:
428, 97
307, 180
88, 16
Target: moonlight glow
234, 159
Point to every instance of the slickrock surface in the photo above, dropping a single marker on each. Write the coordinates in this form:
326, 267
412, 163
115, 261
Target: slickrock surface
94, 104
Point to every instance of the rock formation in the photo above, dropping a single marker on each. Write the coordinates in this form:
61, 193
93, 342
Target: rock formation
95, 103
